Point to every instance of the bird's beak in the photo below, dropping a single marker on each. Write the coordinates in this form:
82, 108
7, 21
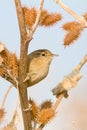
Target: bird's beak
55, 54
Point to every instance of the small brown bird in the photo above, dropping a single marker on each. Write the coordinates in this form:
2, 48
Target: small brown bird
39, 63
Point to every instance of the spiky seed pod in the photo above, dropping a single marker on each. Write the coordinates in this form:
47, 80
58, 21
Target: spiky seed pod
51, 19
4, 54
45, 116
85, 16
29, 16
10, 61
74, 30
2, 71
13, 64
71, 37
46, 104
34, 110
2, 114
46, 19
44, 14
71, 26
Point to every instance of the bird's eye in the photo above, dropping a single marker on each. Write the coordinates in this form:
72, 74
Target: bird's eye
43, 54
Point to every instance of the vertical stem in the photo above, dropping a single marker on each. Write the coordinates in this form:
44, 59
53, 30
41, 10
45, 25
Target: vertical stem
22, 87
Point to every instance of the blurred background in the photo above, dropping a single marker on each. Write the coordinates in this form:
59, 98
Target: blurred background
72, 112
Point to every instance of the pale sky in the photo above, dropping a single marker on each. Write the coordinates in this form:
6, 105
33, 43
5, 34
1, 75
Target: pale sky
50, 38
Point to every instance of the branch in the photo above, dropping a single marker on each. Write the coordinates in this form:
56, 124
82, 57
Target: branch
69, 81
5, 96
81, 20
20, 19
23, 68
58, 101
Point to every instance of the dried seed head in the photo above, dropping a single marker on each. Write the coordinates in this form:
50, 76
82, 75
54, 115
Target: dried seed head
46, 104
85, 16
46, 19
74, 30
2, 114
46, 115
71, 26
71, 37
51, 19
29, 16
34, 110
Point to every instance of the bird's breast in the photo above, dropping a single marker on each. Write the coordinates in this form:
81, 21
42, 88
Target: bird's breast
38, 71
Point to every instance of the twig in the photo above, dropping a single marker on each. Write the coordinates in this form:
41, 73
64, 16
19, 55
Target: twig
81, 20
37, 19
5, 96
58, 101
80, 65
15, 115
57, 90
69, 81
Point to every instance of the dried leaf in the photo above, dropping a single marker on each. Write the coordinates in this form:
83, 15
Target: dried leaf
46, 115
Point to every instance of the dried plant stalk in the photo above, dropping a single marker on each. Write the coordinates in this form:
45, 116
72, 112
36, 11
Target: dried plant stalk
5, 96
81, 20
69, 81
38, 17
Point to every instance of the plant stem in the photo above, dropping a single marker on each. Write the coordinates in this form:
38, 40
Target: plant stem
22, 87
80, 19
